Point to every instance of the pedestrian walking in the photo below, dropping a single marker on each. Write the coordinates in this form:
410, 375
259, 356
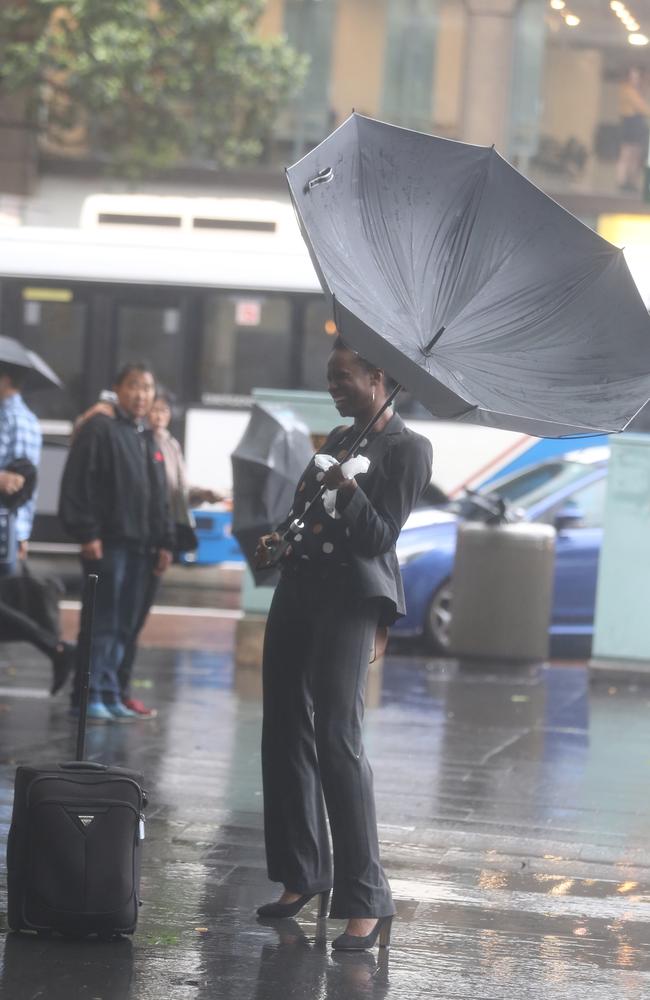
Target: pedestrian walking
340, 585
635, 112
20, 438
114, 502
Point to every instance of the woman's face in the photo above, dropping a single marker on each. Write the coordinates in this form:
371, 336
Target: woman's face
159, 415
349, 383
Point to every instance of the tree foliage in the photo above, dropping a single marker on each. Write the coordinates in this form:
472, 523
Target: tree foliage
153, 82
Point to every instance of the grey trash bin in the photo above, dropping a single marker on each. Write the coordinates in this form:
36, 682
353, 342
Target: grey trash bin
502, 591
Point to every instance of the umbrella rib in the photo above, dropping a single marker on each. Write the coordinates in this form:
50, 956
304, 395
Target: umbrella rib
427, 348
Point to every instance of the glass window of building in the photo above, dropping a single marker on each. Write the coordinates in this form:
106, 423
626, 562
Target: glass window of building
246, 344
309, 25
590, 117
409, 63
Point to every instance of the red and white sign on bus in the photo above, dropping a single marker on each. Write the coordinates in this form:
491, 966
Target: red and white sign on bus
248, 312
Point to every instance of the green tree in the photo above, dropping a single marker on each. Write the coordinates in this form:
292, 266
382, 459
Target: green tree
154, 82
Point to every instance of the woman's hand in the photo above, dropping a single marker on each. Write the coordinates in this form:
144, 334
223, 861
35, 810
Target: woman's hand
334, 479
265, 547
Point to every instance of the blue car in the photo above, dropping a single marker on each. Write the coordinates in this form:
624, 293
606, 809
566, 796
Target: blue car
567, 492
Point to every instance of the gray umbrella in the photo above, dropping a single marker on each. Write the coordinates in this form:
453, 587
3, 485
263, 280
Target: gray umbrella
469, 285
266, 467
39, 374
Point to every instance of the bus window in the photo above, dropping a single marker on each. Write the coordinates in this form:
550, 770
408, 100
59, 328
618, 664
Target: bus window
246, 343
56, 331
319, 339
151, 333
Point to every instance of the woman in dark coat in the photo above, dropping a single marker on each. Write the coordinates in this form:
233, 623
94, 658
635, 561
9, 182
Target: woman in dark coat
340, 585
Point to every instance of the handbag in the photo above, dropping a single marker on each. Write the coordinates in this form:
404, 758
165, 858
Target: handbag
37, 599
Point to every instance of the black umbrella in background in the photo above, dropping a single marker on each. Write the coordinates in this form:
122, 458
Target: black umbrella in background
469, 286
266, 467
38, 372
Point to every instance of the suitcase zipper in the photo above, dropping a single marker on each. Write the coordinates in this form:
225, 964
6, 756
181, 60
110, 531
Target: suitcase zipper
85, 784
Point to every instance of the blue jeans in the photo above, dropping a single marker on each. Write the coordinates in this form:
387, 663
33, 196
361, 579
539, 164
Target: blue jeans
121, 592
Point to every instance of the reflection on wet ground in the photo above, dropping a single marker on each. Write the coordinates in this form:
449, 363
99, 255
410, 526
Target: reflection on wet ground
513, 818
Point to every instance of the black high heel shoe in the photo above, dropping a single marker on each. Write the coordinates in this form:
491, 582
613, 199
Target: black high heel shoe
280, 911
352, 942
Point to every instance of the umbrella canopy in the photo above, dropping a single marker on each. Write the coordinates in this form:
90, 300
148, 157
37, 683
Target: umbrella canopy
469, 285
266, 467
39, 374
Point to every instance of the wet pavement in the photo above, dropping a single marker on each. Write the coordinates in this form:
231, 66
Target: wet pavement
514, 821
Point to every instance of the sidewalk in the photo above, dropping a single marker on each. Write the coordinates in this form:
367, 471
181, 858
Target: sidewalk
513, 819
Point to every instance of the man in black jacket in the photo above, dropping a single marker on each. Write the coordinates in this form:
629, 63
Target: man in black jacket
114, 503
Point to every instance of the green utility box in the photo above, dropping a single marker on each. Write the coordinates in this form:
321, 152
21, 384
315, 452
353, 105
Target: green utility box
621, 632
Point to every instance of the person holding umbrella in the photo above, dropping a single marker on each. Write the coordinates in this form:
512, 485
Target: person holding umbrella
340, 583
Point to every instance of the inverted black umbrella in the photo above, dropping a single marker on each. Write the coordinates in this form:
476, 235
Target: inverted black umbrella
38, 372
469, 285
266, 466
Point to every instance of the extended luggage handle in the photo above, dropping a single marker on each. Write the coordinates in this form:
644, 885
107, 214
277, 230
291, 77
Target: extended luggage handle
85, 653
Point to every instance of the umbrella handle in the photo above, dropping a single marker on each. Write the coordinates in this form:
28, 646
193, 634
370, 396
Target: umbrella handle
323, 176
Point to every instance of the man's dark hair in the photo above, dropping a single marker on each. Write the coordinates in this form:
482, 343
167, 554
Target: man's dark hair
16, 374
133, 366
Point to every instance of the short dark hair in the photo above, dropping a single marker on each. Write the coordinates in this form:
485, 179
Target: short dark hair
340, 345
133, 366
388, 380
15, 373
162, 396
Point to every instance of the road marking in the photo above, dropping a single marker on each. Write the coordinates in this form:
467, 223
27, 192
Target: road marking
15, 692
173, 610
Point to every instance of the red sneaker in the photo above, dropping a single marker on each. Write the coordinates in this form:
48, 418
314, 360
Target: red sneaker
139, 708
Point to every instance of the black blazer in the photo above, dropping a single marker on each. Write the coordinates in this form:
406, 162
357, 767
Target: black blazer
400, 469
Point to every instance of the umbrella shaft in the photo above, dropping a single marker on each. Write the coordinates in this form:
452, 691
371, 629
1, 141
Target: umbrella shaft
286, 537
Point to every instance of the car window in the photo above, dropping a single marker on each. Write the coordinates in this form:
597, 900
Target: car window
526, 482
589, 501
527, 488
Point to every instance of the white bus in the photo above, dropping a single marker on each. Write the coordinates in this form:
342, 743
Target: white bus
219, 295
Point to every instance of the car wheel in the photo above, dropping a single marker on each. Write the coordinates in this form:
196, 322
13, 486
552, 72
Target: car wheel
437, 623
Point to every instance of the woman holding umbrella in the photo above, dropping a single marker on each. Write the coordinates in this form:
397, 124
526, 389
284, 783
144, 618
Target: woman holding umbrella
340, 584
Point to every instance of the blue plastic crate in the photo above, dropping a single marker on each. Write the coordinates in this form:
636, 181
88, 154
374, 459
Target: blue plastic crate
216, 543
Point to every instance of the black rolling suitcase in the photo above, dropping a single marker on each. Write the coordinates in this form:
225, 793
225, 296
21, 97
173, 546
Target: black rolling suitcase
73, 855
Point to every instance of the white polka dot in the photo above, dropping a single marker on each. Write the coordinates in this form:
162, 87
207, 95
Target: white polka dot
328, 547
320, 476
363, 443
297, 538
347, 531
305, 557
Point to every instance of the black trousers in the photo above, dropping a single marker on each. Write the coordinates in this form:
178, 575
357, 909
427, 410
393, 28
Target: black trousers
21, 628
318, 644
